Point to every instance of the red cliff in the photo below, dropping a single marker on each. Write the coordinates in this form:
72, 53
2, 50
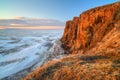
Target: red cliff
93, 39
84, 32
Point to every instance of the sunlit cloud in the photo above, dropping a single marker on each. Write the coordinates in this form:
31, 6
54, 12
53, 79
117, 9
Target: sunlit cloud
1, 27
18, 25
37, 27
17, 17
31, 23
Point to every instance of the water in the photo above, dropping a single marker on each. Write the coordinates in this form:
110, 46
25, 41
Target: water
21, 49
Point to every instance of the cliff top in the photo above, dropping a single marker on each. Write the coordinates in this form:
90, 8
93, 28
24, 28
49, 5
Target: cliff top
93, 44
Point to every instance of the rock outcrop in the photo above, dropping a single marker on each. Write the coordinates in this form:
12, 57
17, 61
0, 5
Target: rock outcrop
84, 32
93, 42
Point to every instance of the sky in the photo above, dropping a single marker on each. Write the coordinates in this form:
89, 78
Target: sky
47, 10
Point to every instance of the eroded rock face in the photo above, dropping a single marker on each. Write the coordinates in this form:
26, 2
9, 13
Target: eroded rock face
96, 33
84, 32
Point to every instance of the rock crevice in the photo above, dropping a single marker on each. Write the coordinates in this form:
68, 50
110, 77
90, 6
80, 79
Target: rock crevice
84, 32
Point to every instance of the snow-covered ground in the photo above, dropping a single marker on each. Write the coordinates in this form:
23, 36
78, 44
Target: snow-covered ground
21, 49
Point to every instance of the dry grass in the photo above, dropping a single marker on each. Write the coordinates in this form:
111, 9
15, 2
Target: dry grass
77, 67
101, 58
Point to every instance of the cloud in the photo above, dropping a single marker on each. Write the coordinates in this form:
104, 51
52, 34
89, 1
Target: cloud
29, 22
1, 27
34, 28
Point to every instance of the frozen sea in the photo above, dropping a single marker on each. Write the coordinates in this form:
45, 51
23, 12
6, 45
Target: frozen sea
21, 49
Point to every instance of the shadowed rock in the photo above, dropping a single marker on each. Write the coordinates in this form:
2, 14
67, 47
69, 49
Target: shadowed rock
93, 39
85, 31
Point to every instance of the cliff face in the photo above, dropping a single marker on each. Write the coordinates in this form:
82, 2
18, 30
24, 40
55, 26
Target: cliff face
84, 32
93, 39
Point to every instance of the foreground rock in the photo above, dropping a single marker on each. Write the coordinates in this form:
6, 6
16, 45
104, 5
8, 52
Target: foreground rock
93, 40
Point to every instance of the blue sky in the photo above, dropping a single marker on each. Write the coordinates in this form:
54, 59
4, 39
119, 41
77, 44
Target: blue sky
49, 12
49, 9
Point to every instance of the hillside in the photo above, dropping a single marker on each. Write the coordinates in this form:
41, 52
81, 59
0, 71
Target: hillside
92, 42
